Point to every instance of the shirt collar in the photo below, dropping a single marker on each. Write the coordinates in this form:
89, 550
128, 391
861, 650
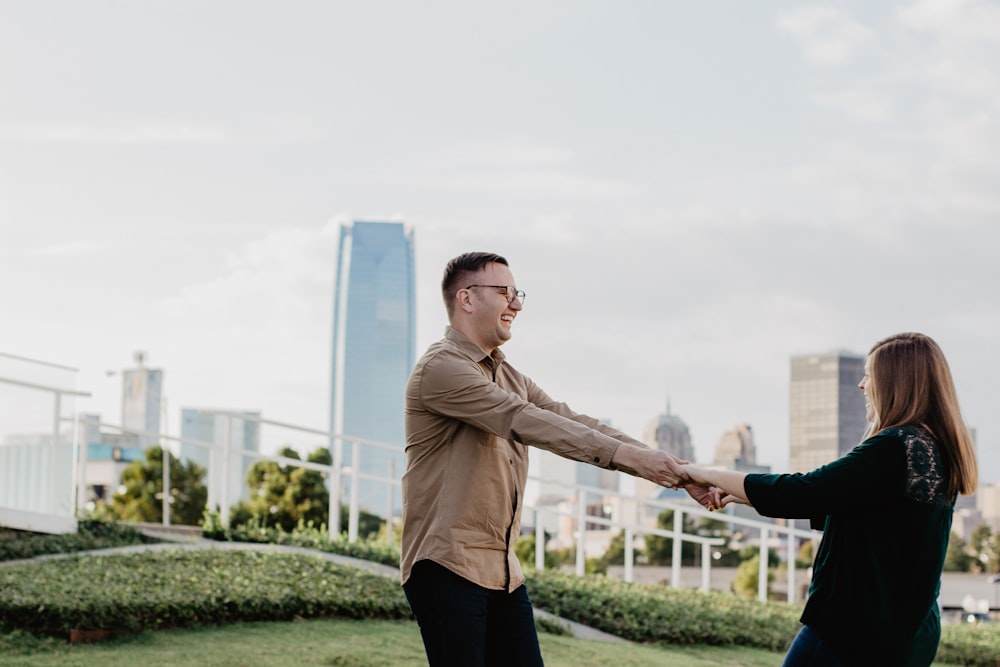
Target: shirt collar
470, 349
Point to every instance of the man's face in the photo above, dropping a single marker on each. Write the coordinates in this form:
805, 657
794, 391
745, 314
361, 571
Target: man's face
493, 314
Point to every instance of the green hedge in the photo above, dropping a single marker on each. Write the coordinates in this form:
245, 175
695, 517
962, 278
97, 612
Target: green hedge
17, 545
180, 588
305, 535
184, 588
648, 613
657, 614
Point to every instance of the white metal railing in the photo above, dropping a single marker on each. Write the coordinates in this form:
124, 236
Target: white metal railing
337, 473
36, 482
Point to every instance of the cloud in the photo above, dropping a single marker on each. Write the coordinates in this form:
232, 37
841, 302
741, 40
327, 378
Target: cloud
273, 128
954, 20
130, 133
826, 35
862, 106
68, 249
254, 333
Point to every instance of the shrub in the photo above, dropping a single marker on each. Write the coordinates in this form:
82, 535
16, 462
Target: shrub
647, 613
185, 588
305, 535
90, 535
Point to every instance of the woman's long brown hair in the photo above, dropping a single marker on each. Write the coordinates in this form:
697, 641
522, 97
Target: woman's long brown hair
910, 384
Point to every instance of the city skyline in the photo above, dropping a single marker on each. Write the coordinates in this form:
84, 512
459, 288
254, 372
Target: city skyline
689, 194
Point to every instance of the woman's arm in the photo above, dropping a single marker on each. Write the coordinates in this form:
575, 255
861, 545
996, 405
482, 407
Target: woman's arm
729, 481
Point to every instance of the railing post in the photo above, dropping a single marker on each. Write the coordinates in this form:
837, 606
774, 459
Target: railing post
765, 536
706, 567
53, 481
166, 484
337, 454
166, 463
675, 564
224, 470
213, 490
790, 562
389, 498
581, 525
539, 541
352, 520
81, 472
629, 556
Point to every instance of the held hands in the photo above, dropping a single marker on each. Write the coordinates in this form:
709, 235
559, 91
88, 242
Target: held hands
671, 472
666, 470
704, 491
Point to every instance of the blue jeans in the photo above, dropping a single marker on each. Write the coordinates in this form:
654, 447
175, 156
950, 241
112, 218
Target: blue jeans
465, 625
809, 650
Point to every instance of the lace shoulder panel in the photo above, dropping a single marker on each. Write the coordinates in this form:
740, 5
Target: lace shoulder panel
926, 470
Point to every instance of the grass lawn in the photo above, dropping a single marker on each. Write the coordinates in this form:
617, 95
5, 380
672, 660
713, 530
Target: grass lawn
338, 643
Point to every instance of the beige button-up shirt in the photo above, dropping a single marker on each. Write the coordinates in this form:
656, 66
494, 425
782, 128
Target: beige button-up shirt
469, 420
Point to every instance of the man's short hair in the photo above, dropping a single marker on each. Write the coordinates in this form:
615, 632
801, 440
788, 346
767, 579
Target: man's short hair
457, 271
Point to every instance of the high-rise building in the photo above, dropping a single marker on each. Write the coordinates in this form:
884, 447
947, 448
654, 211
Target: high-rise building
225, 479
142, 400
826, 410
736, 449
670, 434
374, 349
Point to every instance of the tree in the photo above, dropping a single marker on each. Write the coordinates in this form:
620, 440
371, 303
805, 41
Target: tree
748, 577
525, 550
615, 553
281, 496
804, 559
984, 547
659, 548
957, 559
141, 498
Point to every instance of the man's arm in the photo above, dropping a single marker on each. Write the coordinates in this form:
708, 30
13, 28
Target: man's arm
655, 465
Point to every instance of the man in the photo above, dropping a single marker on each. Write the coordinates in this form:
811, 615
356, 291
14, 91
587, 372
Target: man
470, 417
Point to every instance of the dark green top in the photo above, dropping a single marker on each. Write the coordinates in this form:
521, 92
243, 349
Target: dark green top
885, 511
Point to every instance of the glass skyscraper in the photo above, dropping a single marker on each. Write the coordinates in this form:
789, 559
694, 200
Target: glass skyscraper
827, 410
374, 348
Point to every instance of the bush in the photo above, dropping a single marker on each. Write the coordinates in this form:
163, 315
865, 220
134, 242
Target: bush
90, 535
305, 535
646, 613
185, 588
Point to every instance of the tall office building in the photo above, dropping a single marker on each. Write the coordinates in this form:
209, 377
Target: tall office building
736, 449
226, 480
670, 434
374, 348
827, 410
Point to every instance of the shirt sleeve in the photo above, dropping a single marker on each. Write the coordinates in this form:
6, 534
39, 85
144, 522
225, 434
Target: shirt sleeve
873, 472
542, 400
460, 389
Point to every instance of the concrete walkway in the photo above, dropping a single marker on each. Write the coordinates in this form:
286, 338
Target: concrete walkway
191, 541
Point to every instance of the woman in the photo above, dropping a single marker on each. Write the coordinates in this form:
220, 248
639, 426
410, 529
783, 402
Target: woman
885, 509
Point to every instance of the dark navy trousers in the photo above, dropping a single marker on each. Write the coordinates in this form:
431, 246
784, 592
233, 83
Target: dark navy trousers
465, 625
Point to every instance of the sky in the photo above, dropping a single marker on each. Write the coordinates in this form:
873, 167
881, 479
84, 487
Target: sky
689, 193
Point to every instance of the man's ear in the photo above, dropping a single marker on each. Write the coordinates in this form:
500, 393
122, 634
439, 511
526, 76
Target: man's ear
464, 298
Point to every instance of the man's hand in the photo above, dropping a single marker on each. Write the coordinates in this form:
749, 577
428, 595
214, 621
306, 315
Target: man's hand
655, 465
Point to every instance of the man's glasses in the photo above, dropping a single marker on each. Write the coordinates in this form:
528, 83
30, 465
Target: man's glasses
508, 291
